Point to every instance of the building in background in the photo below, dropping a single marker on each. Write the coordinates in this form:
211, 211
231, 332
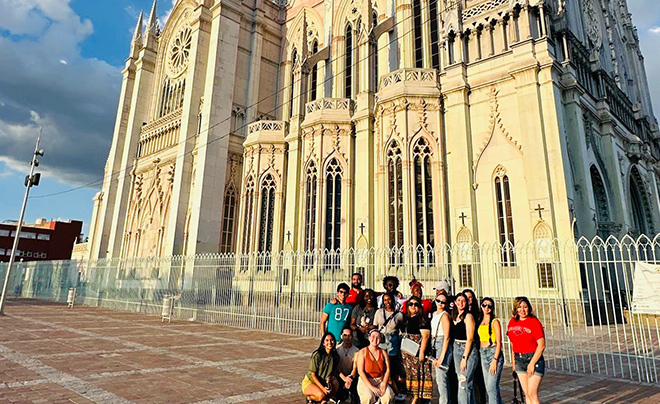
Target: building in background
42, 241
326, 125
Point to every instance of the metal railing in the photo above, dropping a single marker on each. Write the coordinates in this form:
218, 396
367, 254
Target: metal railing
582, 291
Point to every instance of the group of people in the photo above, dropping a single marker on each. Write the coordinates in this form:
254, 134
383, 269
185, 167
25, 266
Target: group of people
382, 346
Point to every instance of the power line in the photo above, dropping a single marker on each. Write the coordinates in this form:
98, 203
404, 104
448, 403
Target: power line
129, 168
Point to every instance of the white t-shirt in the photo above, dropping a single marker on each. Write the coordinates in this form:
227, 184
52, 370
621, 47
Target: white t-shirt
346, 358
381, 318
436, 324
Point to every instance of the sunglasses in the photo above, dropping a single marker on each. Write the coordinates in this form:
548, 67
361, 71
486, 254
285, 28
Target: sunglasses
414, 305
487, 306
441, 301
343, 292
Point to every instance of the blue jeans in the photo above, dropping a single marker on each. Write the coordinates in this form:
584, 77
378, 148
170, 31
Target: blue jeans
465, 386
492, 381
440, 374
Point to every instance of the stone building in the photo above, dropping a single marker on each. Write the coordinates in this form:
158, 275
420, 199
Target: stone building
333, 124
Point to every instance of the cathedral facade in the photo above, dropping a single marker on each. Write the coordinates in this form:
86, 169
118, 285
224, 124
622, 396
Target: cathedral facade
255, 125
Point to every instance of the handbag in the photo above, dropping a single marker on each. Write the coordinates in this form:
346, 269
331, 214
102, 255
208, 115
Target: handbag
517, 388
409, 347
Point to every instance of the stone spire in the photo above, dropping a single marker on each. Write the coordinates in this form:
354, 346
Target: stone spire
137, 36
152, 24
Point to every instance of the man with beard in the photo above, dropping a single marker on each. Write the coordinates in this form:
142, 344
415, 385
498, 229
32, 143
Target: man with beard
356, 294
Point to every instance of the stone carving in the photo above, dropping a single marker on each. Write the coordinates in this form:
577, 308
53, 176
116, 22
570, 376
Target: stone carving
591, 20
179, 55
482, 8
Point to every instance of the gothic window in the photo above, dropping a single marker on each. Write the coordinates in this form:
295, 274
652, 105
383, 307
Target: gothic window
247, 217
267, 216
395, 200
505, 30
505, 219
310, 207
435, 51
228, 220
544, 255
171, 97
638, 206
315, 71
238, 121
417, 33
422, 155
333, 205
465, 275
600, 197
479, 35
348, 77
451, 48
516, 23
294, 59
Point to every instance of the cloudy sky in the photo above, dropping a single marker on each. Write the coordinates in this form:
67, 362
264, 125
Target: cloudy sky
60, 68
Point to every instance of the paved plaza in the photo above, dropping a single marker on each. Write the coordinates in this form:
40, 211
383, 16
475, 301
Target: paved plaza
50, 354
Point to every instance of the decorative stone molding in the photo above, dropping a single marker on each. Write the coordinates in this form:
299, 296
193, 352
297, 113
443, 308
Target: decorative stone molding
482, 8
330, 104
408, 75
260, 126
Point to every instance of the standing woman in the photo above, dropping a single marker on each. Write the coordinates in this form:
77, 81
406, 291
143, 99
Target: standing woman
320, 384
373, 366
527, 338
465, 354
440, 332
492, 358
418, 370
362, 317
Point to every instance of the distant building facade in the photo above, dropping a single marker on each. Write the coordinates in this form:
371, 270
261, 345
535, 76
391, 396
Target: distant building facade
334, 124
41, 241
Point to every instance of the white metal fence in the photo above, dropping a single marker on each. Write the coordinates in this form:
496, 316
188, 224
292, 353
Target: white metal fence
581, 290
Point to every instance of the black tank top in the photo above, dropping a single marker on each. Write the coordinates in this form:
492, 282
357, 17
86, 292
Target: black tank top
458, 331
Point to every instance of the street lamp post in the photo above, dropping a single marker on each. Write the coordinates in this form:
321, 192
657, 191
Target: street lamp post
31, 180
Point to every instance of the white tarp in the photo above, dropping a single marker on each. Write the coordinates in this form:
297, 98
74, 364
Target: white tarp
646, 288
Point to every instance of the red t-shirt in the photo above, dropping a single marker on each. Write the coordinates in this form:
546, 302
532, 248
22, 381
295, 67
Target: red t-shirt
426, 306
355, 297
524, 333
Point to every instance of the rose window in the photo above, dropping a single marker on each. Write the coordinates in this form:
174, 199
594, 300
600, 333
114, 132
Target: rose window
180, 51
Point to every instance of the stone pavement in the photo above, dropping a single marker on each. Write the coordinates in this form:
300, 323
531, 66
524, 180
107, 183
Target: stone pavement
50, 354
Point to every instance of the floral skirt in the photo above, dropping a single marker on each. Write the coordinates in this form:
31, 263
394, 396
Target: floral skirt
418, 374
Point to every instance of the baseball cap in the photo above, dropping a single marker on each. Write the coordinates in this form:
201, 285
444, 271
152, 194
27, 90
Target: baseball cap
442, 285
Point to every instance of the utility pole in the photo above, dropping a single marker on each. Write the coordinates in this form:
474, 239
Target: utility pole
31, 180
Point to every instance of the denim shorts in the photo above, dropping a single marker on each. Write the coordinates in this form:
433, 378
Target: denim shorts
523, 359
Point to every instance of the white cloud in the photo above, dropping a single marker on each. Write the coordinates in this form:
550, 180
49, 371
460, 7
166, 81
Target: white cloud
46, 82
655, 30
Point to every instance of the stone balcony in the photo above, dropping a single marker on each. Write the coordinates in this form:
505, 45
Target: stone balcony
160, 134
408, 82
326, 110
265, 132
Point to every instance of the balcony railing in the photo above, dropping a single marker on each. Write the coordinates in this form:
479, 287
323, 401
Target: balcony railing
160, 134
324, 104
419, 76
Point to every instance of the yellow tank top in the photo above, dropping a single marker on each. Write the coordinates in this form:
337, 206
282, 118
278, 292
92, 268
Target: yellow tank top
484, 336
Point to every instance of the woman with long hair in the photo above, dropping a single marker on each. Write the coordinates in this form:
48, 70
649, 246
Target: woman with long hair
440, 335
492, 358
389, 321
527, 337
373, 366
320, 384
418, 370
362, 317
465, 354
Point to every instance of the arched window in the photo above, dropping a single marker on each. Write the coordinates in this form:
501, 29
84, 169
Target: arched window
638, 207
315, 73
294, 59
505, 219
600, 197
267, 214
451, 48
422, 155
310, 207
395, 195
433, 20
247, 217
228, 220
544, 255
417, 33
171, 97
348, 77
333, 205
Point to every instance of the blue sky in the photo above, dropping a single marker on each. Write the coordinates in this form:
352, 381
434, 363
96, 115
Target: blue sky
61, 63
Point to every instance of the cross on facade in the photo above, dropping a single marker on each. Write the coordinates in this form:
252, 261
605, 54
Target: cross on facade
539, 209
362, 228
288, 235
462, 217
